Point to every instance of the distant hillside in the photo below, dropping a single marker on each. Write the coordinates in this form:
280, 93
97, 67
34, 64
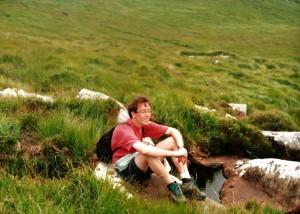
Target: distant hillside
156, 48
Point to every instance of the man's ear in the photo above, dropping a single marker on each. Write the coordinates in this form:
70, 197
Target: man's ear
133, 114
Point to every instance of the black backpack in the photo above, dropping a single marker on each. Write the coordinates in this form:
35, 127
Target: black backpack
103, 149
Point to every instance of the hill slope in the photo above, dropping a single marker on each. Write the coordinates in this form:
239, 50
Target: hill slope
138, 45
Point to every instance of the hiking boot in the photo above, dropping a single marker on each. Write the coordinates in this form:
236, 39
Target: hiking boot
191, 189
176, 192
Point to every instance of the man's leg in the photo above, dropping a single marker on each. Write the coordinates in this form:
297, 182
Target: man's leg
169, 144
143, 162
189, 185
155, 164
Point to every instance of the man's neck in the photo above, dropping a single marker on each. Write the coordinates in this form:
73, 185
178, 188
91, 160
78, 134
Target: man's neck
136, 123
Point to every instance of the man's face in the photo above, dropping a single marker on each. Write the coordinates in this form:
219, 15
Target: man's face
143, 114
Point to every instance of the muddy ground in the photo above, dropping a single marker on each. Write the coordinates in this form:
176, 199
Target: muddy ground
237, 191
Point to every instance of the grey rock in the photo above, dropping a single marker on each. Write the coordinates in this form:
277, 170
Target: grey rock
280, 178
286, 144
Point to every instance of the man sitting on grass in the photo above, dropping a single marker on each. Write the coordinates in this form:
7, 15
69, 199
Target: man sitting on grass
127, 140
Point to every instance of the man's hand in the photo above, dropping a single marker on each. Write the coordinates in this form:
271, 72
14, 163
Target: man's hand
182, 159
182, 155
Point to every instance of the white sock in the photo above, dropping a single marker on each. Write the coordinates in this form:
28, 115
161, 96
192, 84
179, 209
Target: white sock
185, 175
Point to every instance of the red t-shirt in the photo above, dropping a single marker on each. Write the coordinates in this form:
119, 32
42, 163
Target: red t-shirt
126, 134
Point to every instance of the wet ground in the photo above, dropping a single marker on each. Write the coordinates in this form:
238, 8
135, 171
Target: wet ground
235, 191
209, 179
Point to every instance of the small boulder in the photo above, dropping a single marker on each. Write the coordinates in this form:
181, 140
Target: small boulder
14, 92
242, 108
279, 178
286, 144
107, 172
203, 108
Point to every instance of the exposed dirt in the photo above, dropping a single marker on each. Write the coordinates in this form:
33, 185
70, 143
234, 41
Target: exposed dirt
237, 191
154, 189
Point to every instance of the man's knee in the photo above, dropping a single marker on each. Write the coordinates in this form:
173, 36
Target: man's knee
167, 144
141, 161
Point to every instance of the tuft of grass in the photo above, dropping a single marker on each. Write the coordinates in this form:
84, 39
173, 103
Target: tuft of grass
29, 122
255, 207
273, 120
97, 110
78, 136
9, 135
12, 59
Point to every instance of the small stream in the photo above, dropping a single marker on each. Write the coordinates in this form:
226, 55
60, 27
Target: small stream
209, 179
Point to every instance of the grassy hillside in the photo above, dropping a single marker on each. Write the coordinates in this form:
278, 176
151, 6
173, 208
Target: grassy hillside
180, 53
127, 47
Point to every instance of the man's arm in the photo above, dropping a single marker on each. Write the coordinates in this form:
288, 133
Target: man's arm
176, 136
157, 152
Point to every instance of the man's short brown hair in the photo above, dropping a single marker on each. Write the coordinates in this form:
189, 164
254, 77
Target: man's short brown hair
133, 105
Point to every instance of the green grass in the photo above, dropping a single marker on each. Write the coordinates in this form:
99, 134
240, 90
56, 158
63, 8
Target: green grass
180, 53
80, 193
9, 135
73, 45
